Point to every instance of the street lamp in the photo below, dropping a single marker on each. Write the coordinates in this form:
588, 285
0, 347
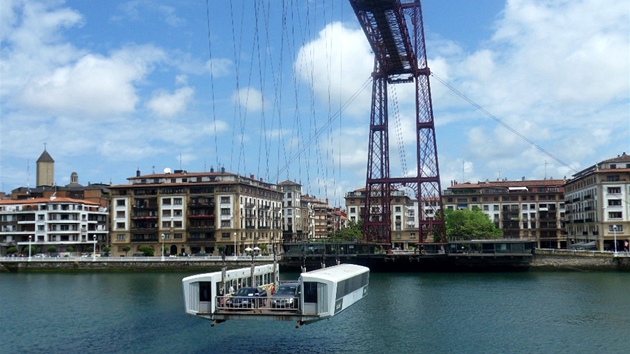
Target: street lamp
94, 248
614, 228
30, 238
163, 237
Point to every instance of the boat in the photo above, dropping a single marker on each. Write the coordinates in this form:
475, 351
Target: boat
322, 293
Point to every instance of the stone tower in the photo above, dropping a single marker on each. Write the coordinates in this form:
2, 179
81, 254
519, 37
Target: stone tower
45, 170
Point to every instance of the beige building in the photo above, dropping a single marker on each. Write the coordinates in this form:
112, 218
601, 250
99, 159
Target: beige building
45, 170
404, 215
292, 225
598, 207
527, 209
200, 212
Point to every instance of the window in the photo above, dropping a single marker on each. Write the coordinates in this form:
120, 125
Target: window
166, 201
495, 207
614, 190
225, 211
120, 214
614, 215
120, 202
225, 199
613, 178
397, 209
614, 202
120, 237
120, 225
619, 228
225, 223
177, 201
486, 207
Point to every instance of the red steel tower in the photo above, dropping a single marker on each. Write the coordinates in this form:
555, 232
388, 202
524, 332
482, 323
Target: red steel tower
395, 31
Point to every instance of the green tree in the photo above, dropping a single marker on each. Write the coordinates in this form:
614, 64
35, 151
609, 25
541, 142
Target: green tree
70, 249
353, 232
12, 250
466, 224
126, 249
146, 251
51, 249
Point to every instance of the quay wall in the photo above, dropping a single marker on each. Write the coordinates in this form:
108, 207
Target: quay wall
196, 266
562, 260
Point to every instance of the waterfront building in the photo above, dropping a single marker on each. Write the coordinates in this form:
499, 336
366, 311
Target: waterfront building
52, 222
404, 215
47, 188
292, 227
196, 213
598, 208
307, 219
526, 209
323, 223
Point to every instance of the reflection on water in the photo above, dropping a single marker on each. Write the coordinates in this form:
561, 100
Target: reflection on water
453, 313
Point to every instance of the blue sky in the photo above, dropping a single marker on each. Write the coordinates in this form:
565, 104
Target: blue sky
115, 86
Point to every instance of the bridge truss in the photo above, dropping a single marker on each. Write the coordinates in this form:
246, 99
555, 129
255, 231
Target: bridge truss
394, 29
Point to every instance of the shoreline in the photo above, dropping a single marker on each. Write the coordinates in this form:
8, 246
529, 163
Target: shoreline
541, 260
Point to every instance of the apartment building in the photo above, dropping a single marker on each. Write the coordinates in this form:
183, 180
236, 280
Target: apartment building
323, 217
404, 215
292, 226
63, 223
199, 212
527, 209
598, 207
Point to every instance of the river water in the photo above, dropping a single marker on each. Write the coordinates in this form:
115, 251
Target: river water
531, 312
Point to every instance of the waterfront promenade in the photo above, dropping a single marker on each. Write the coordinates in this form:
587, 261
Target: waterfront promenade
541, 259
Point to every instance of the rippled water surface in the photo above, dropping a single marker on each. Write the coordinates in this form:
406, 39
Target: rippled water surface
403, 313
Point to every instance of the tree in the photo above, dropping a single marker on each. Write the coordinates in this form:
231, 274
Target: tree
146, 251
353, 232
51, 249
126, 249
466, 224
12, 250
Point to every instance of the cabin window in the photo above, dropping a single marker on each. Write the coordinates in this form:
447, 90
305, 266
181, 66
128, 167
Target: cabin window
205, 291
310, 292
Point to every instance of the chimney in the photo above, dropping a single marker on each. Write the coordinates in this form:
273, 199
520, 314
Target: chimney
138, 172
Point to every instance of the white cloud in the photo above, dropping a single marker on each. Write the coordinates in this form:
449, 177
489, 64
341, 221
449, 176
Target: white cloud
164, 104
336, 65
547, 72
249, 98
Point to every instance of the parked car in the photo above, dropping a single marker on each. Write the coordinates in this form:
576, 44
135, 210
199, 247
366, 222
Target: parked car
250, 297
287, 296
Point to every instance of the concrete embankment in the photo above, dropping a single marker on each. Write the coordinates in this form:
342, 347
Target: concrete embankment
563, 260
62, 265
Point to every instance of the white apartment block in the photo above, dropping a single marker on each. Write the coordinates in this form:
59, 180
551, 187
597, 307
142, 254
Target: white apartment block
57, 222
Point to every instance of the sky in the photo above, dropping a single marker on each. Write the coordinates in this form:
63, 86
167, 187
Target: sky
281, 90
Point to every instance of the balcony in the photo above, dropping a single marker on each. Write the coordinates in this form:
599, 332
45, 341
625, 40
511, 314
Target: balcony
201, 216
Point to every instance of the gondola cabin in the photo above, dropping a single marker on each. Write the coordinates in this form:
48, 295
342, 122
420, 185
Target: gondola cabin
316, 295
